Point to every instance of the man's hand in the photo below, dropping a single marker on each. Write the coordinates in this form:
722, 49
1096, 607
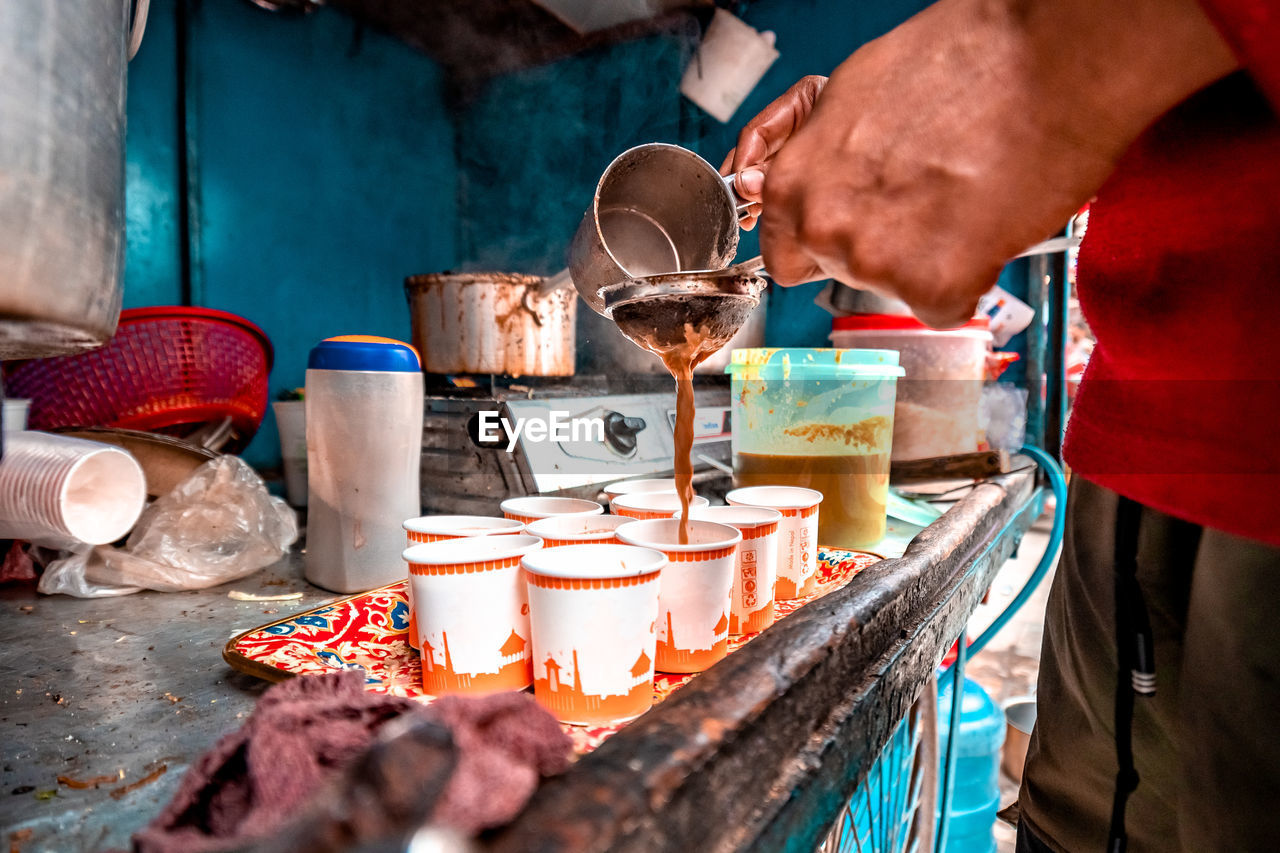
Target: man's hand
939, 151
763, 136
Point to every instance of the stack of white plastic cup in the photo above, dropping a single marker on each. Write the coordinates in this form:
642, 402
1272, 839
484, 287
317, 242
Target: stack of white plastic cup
57, 491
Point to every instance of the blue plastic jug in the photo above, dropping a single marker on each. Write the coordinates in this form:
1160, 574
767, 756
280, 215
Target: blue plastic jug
975, 793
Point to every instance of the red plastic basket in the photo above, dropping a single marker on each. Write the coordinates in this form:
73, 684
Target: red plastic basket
168, 369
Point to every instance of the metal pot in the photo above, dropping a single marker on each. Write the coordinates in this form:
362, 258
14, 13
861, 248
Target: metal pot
657, 208
62, 101
604, 350
1020, 719
492, 323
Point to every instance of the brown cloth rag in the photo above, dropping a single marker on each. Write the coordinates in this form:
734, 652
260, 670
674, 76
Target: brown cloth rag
306, 731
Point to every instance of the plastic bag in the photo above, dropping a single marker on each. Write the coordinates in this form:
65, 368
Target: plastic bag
218, 525
1003, 414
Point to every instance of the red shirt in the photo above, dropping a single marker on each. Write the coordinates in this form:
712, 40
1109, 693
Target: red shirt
1179, 278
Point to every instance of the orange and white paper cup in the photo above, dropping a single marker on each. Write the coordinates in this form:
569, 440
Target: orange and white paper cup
646, 484
693, 608
593, 609
529, 509
797, 534
437, 528
647, 505
561, 530
473, 614
751, 604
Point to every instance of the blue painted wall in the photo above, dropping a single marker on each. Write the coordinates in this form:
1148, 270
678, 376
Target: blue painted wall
152, 268
324, 172
533, 144
327, 165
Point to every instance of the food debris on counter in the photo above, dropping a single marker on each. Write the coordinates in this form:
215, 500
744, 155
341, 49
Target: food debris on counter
124, 790
82, 784
18, 838
237, 595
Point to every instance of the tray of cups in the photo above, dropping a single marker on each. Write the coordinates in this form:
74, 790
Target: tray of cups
601, 615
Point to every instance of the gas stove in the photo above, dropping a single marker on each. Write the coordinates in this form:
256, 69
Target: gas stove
485, 439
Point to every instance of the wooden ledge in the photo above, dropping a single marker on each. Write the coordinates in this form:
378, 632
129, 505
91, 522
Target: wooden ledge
763, 750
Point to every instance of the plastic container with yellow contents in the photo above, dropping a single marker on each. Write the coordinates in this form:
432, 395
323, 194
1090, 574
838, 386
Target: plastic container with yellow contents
821, 419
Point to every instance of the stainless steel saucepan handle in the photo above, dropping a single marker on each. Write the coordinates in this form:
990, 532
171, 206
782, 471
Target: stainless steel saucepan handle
552, 283
1048, 247
739, 203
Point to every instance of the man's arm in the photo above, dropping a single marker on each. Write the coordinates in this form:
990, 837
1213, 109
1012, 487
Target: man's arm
971, 131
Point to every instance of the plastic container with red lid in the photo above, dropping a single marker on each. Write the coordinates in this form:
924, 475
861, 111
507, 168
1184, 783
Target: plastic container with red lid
899, 322
938, 401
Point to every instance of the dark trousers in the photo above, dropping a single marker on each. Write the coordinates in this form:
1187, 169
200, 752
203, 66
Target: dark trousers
1207, 745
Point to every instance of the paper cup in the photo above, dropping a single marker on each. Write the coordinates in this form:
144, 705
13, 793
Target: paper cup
562, 530
647, 505
533, 508
751, 604
797, 534
438, 528
693, 606
473, 615
59, 491
630, 487
593, 610
15, 413
291, 423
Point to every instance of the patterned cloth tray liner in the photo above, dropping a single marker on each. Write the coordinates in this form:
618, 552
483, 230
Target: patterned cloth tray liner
368, 631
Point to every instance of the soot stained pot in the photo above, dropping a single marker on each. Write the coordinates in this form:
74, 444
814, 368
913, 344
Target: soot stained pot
488, 322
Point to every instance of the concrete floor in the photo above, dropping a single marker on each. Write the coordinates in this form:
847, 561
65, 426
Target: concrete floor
1008, 666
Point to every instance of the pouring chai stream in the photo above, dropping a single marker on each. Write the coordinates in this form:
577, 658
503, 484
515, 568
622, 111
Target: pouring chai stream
684, 318
662, 209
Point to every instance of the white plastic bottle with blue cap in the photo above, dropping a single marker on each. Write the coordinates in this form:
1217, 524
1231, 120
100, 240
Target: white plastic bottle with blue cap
364, 448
